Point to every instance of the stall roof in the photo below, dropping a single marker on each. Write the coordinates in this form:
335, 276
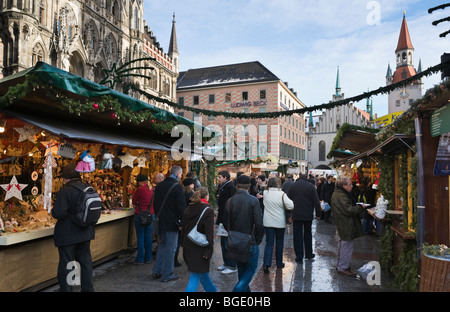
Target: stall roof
72, 131
389, 146
35, 100
351, 140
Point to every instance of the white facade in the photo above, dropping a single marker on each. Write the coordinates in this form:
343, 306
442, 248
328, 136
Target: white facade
323, 128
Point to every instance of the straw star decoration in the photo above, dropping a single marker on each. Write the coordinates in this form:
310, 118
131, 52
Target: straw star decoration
27, 133
13, 189
127, 160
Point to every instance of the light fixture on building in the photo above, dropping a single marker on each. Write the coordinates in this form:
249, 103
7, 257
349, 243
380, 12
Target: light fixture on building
3, 126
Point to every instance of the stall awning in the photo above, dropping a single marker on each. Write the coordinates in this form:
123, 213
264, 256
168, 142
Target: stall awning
389, 146
70, 130
40, 89
351, 140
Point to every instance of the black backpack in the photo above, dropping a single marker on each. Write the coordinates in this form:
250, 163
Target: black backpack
88, 206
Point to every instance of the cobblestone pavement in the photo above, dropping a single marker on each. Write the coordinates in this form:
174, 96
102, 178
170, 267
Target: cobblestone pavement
317, 275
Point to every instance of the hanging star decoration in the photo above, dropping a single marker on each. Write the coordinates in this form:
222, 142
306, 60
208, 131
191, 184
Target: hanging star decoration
51, 146
13, 189
28, 132
141, 160
116, 74
127, 159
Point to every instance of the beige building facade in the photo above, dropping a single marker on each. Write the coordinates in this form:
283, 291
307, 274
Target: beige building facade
247, 88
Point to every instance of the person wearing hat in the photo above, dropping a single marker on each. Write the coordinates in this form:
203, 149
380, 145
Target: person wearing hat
243, 214
73, 241
143, 200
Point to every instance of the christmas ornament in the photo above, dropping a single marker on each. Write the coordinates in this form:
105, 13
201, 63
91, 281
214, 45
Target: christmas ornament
13, 189
127, 159
49, 163
95, 106
28, 132
141, 160
51, 147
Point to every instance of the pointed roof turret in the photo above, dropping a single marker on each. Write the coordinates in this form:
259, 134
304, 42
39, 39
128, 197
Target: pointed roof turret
311, 122
389, 71
404, 41
419, 68
338, 84
173, 44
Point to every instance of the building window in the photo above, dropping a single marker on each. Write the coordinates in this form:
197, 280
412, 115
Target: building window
41, 12
37, 54
397, 103
181, 101
245, 95
322, 151
262, 94
196, 100
212, 99
228, 97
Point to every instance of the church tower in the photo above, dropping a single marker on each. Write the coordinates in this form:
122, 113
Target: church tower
400, 99
173, 47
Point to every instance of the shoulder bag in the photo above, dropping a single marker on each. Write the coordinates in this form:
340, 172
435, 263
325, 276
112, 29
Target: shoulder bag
195, 236
145, 217
287, 213
238, 243
156, 228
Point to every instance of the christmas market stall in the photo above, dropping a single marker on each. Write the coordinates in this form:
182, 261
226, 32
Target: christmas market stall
48, 119
411, 156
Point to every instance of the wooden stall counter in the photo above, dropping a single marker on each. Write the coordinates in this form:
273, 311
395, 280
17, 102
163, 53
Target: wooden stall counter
30, 259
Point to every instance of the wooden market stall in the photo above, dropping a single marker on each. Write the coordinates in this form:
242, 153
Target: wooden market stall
413, 158
48, 118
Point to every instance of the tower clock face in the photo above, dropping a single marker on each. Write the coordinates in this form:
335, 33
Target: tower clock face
404, 94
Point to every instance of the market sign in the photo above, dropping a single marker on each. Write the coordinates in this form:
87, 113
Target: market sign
387, 119
440, 121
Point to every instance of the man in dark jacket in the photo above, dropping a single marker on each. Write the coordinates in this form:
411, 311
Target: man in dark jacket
225, 191
305, 198
243, 214
73, 241
348, 224
170, 213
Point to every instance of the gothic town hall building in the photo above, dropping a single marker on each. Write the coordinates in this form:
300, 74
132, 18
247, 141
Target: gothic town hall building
85, 37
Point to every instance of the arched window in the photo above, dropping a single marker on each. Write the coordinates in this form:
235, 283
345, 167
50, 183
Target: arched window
37, 54
322, 151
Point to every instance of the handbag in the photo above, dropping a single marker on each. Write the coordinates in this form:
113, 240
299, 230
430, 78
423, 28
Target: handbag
238, 243
195, 236
145, 218
287, 213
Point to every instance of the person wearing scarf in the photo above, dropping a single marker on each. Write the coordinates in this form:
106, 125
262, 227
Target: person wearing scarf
348, 224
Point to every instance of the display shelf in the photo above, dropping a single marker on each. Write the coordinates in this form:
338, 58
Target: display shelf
16, 238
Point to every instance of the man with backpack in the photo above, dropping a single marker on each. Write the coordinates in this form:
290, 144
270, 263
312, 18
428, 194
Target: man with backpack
71, 235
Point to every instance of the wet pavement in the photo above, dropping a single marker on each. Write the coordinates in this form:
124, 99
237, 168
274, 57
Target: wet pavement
316, 275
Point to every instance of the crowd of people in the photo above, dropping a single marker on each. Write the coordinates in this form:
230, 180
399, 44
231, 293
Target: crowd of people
248, 208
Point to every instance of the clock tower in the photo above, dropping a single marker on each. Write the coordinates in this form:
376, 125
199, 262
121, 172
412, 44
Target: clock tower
401, 98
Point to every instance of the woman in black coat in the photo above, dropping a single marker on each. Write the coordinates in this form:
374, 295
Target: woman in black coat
198, 258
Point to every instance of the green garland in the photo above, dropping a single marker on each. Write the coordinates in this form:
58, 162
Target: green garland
430, 71
406, 275
387, 246
107, 103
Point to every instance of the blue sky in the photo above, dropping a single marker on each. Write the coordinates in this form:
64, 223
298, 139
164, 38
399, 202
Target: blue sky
304, 41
